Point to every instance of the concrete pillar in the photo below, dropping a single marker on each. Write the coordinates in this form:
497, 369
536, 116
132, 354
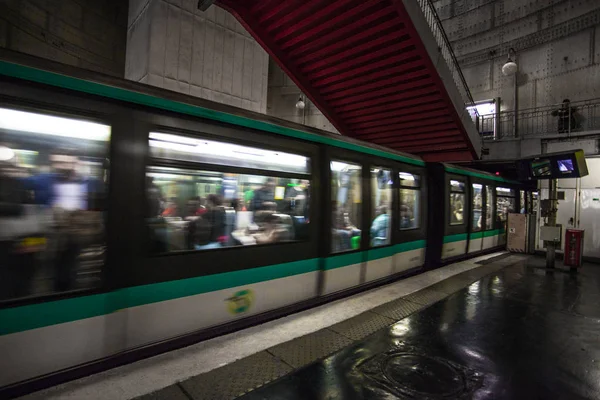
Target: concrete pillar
282, 97
173, 45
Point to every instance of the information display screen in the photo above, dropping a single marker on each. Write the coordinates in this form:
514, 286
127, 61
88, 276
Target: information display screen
541, 168
562, 165
566, 166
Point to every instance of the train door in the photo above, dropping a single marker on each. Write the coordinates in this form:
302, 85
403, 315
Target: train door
490, 234
345, 225
411, 218
457, 214
505, 204
477, 217
381, 221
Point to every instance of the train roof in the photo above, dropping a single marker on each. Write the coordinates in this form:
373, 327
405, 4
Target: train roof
477, 174
35, 69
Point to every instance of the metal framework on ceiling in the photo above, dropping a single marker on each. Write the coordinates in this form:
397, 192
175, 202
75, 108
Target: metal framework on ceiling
363, 64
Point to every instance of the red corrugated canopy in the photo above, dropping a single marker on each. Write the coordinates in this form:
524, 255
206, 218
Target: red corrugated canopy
364, 66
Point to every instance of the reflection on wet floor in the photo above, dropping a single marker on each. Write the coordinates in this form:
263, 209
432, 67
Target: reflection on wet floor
520, 333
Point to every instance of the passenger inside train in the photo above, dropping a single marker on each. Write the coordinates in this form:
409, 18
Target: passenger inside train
53, 192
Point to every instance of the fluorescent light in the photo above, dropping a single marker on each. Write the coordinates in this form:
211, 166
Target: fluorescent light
406, 176
159, 175
484, 109
456, 183
477, 186
6, 153
338, 166
505, 190
184, 144
25, 121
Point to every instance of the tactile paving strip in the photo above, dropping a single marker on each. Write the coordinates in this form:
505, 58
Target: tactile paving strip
397, 309
425, 297
362, 325
172, 392
309, 348
237, 378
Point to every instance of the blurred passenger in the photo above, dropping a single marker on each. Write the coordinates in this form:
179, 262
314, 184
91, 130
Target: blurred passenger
153, 197
405, 215
380, 227
211, 225
158, 232
271, 231
264, 197
457, 213
69, 195
170, 209
21, 232
343, 230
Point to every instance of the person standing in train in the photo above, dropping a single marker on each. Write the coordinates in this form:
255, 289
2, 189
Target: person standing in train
264, 197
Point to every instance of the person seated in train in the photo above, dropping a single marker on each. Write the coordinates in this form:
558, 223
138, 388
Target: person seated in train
210, 227
343, 229
457, 213
380, 227
264, 196
405, 217
171, 209
272, 231
22, 231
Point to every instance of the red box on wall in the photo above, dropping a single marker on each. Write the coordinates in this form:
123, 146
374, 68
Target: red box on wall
574, 248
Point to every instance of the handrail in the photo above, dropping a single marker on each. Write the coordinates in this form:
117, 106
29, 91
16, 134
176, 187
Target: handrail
553, 119
445, 47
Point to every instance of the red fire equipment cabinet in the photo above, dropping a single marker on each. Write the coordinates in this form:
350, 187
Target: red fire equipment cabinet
573, 248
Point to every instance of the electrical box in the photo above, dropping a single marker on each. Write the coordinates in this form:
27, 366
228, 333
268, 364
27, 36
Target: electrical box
517, 233
551, 233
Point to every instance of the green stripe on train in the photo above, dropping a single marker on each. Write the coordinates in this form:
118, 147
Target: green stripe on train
54, 79
455, 238
344, 260
478, 175
476, 235
34, 316
480, 235
56, 312
389, 251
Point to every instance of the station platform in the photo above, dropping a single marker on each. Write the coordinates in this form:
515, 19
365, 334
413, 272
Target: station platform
494, 327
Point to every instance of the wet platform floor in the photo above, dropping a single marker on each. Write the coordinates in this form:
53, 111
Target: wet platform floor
519, 333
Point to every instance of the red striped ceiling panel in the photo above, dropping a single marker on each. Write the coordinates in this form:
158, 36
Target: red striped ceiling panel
364, 66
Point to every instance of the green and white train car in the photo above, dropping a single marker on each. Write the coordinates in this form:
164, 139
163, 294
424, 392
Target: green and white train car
136, 220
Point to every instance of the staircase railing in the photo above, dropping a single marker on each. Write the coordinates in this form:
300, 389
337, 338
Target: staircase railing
446, 51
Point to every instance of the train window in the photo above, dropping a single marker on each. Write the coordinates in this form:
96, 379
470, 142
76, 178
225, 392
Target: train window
201, 210
505, 203
53, 183
489, 204
205, 208
457, 202
477, 221
346, 206
183, 148
381, 213
410, 195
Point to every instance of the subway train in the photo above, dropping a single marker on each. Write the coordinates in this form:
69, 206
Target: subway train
135, 220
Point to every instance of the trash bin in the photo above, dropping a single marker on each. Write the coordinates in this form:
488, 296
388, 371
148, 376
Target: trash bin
574, 248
